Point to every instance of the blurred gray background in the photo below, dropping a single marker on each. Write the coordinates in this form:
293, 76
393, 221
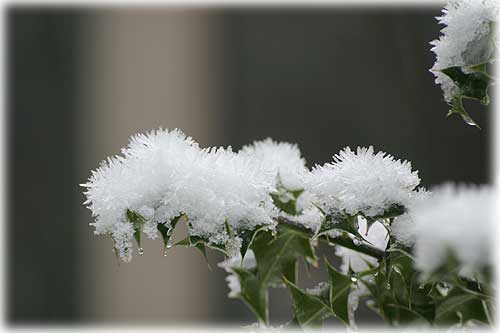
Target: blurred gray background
81, 81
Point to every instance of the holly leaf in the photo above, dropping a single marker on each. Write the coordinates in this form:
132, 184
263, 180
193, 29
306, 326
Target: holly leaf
277, 255
459, 307
247, 238
393, 211
309, 310
166, 232
339, 221
201, 244
340, 287
471, 85
137, 221
253, 293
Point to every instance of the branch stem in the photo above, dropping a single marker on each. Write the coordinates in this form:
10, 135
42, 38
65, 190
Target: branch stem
342, 240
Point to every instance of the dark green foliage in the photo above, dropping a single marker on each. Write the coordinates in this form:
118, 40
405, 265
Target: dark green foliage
276, 255
276, 258
399, 293
247, 238
254, 293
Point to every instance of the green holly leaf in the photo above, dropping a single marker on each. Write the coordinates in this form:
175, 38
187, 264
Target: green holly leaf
253, 293
276, 256
459, 307
471, 84
399, 296
340, 221
247, 238
309, 310
201, 244
340, 287
166, 232
393, 211
138, 221
346, 241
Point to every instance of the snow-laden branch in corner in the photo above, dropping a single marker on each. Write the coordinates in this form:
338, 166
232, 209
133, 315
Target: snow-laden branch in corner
466, 38
464, 49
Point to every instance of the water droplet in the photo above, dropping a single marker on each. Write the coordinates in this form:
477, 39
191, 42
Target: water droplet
376, 274
140, 250
273, 233
422, 286
388, 286
331, 244
354, 279
443, 288
169, 245
397, 270
356, 241
165, 252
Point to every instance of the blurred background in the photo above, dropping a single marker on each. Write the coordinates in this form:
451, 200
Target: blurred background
81, 81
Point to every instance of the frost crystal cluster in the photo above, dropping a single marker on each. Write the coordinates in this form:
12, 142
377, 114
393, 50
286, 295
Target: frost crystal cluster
363, 182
